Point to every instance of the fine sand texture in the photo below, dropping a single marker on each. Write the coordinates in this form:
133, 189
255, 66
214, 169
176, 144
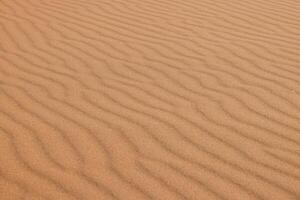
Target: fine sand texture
149, 100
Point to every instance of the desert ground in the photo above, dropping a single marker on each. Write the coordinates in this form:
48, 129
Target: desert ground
149, 100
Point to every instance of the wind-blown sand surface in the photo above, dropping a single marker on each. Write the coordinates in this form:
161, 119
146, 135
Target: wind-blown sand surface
149, 99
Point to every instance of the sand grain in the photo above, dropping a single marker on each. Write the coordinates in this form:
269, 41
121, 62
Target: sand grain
149, 99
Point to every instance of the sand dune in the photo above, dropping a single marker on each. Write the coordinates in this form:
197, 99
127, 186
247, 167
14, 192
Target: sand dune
149, 99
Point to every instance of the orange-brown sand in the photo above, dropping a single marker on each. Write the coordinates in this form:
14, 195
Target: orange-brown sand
149, 100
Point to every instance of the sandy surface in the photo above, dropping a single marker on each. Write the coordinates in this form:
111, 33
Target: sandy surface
149, 99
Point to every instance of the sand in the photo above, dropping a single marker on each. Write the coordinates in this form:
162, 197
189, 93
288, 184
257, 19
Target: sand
149, 99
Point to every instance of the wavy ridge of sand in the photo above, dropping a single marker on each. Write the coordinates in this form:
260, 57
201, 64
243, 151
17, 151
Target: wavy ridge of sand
149, 99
